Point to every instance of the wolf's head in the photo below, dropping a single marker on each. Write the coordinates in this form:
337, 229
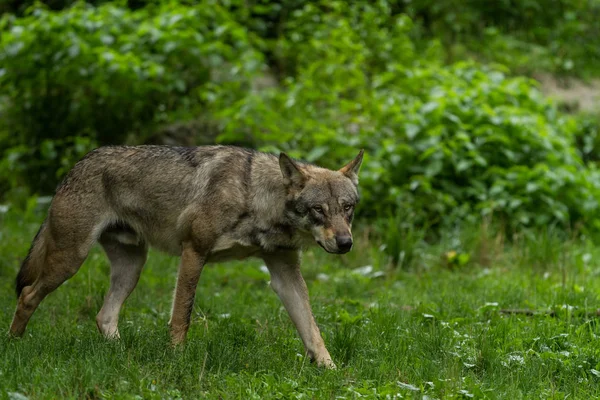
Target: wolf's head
322, 201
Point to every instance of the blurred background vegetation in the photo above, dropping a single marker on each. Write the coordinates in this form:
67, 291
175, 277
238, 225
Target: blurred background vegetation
450, 98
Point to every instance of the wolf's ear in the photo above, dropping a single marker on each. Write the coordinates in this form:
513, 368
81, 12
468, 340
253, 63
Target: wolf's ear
292, 176
351, 169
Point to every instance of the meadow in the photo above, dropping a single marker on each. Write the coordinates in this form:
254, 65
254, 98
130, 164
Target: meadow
512, 319
475, 272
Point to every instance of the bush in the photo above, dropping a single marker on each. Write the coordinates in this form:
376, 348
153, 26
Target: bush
551, 35
445, 142
587, 137
88, 76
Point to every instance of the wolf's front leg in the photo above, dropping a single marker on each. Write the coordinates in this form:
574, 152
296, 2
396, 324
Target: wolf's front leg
288, 283
192, 262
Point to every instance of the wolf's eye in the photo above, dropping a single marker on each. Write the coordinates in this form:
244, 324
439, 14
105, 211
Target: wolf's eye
347, 207
318, 209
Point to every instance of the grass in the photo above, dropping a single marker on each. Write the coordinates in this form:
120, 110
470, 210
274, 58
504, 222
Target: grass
435, 328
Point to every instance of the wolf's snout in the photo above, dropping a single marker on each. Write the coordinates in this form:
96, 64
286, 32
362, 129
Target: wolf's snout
344, 243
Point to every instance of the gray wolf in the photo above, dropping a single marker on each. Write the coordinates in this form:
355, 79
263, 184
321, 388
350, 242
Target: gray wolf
208, 203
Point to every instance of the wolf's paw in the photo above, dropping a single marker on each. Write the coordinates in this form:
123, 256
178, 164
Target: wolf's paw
107, 328
178, 335
12, 335
325, 362
112, 335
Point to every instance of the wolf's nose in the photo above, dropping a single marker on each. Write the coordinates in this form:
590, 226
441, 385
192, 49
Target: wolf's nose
344, 243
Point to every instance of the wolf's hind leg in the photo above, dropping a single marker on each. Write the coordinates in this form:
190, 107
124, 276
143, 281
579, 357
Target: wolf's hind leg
126, 263
61, 261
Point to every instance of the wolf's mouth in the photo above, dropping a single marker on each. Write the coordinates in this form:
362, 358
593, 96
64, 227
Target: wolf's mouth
329, 251
324, 248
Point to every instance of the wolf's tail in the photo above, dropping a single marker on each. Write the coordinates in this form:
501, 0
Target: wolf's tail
33, 263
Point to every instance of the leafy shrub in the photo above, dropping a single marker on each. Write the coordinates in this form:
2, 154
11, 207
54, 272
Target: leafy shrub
587, 137
533, 35
110, 74
20, 7
445, 142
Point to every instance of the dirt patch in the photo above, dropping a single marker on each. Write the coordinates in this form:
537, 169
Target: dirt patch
577, 95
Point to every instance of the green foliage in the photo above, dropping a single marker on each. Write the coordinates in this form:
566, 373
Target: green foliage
587, 138
20, 7
452, 141
532, 35
445, 143
109, 74
402, 238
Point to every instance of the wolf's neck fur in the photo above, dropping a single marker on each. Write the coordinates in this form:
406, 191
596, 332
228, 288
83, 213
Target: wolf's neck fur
274, 223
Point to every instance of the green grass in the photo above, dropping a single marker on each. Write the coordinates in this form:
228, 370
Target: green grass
429, 330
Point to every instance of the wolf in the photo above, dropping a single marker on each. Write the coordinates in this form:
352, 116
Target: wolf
205, 204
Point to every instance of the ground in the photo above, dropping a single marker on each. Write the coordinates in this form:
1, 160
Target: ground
438, 330
579, 95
